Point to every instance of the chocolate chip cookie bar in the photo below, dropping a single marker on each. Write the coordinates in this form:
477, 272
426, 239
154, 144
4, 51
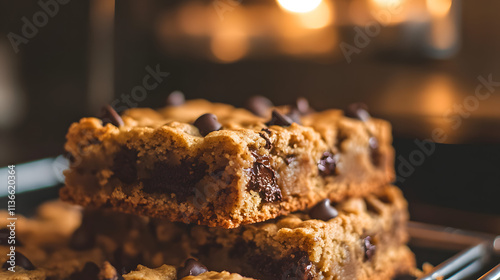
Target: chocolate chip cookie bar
216, 165
358, 238
53, 246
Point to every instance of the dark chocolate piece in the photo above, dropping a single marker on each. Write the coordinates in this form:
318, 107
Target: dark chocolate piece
176, 98
109, 115
207, 123
265, 135
263, 179
303, 107
323, 211
259, 105
125, 165
82, 239
21, 261
279, 119
369, 248
358, 111
191, 268
327, 164
178, 179
297, 266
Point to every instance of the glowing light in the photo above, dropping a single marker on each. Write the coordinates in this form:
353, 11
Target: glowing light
299, 6
438, 8
388, 3
317, 18
229, 45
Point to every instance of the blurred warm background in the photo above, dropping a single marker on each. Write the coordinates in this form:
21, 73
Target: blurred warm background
429, 66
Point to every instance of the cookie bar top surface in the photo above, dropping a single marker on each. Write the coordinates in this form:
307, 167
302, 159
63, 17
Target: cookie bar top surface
227, 168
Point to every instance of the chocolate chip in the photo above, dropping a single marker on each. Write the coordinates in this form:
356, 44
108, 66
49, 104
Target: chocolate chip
279, 119
294, 115
327, 164
259, 105
4, 238
125, 165
109, 115
358, 111
265, 135
323, 211
302, 105
191, 268
263, 180
369, 248
207, 123
82, 239
90, 271
176, 98
21, 261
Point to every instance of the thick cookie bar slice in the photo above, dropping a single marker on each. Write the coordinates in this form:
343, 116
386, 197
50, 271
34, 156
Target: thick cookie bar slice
359, 238
54, 246
215, 165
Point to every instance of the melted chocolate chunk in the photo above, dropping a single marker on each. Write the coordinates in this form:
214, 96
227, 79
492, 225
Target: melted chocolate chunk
21, 261
265, 135
4, 238
90, 271
125, 165
178, 179
259, 105
358, 111
323, 211
369, 248
191, 268
109, 115
327, 164
82, 239
279, 119
176, 98
263, 180
297, 266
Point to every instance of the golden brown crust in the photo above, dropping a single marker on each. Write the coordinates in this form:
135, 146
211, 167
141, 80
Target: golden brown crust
222, 163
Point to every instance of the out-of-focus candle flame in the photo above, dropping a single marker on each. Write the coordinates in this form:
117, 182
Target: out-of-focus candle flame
317, 18
299, 6
439, 8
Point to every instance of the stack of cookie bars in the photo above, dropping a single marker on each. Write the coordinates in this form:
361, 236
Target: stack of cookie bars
265, 192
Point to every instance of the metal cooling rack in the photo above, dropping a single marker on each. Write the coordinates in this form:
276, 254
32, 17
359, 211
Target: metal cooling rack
479, 250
